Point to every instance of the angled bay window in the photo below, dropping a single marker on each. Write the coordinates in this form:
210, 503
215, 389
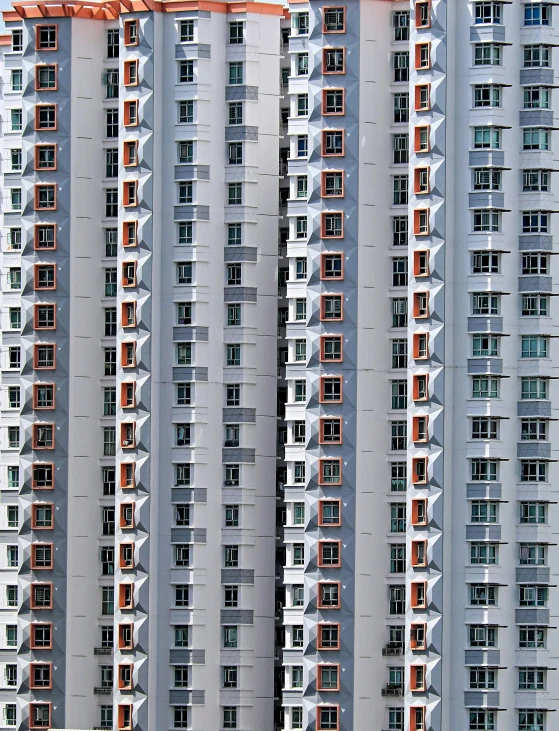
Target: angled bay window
46, 77
45, 197
330, 472
46, 116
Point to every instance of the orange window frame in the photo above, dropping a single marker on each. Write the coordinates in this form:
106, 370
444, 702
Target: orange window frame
32, 636
124, 469
128, 35
417, 173
321, 513
414, 643
36, 365
122, 628
324, 56
36, 151
322, 419
36, 308
418, 49
319, 685
417, 347
321, 463
128, 159
419, 464
321, 398
415, 503
420, 428
323, 339
417, 15
38, 47
124, 507
416, 560
325, 93
32, 594
421, 304
36, 426
416, 381
417, 718
123, 350
123, 590
324, 255
131, 113
126, 320
334, 7
36, 268
130, 193
126, 280
416, 601
121, 684
124, 428
419, 105
321, 563
34, 508
418, 228
421, 263
36, 189
124, 717
319, 644
36, 228
128, 65
124, 387
323, 298
36, 387
417, 138
319, 604
34, 566
46, 88
128, 228
31, 714
323, 216
319, 726
34, 484
323, 175
38, 108
418, 681
323, 143
122, 561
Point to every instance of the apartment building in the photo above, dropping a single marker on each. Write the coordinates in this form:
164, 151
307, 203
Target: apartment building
139, 257
278, 366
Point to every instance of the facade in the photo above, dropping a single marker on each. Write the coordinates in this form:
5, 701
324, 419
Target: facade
278, 366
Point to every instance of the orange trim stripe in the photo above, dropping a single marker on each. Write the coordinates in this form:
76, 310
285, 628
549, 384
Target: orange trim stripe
111, 9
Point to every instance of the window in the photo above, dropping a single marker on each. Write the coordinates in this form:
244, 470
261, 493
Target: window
485, 304
535, 138
397, 599
400, 64
399, 354
533, 596
487, 11
16, 120
531, 679
15, 160
397, 517
537, 14
483, 387
483, 553
535, 264
536, 56
487, 54
302, 64
535, 305
487, 137
484, 470
302, 105
17, 40
14, 239
186, 72
186, 112
180, 717
332, 142
182, 474
230, 677
536, 97
184, 272
534, 346
185, 193
181, 636
533, 471
399, 271
532, 512
535, 180
236, 32
182, 555
483, 595
399, 312
400, 144
302, 145
333, 61
400, 231
113, 43
236, 113
533, 388
46, 38
400, 188
398, 439
300, 24
483, 636
487, 179
233, 395
482, 678
484, 262
486, 221
334, 20
529, 720
401, 25
401, 107
229, 717
532, 637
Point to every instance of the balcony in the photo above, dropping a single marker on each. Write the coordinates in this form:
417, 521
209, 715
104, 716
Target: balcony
392, 648
395, 690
